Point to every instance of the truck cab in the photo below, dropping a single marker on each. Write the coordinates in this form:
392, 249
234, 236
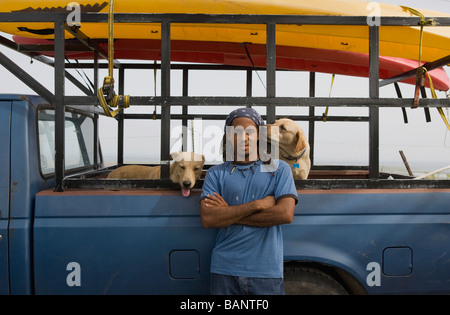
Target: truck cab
20, 181
132, 235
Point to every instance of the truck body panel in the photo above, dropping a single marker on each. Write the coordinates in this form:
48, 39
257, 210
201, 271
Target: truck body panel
124, 242
5, 140
24, 182
405, 232
155, 237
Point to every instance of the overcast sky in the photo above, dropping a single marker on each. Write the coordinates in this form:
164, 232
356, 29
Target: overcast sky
436, 5
426, 145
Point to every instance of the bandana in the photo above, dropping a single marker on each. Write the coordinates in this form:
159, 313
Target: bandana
246, 113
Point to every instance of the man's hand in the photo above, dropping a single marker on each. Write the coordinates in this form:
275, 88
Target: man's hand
215, 212
216, 200
276, 213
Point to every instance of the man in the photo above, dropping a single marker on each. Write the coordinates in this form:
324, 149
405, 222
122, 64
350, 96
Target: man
248, 204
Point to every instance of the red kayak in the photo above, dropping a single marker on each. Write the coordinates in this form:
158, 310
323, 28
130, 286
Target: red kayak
247, 54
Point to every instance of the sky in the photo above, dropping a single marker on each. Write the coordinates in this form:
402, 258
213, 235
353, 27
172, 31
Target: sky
426, 145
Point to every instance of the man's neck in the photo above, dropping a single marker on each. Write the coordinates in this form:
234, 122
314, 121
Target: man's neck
246, 159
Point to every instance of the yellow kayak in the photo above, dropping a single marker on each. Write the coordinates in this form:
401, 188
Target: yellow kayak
402, 42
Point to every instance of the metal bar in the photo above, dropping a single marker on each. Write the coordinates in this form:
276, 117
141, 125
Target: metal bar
59, 105
372, 184
96, 67
426, 109
165, 92
178, 66
312, 125
70, 47
405, 161
399, 95
325, 184
220, 18
19, 48
85, 40
120, 120
12, 45
374, 115
97, 151
23, 76
249, 84
271, 68
263, 101
223, 117
96, 141
184, 122
412, 73
78, 84
78, 120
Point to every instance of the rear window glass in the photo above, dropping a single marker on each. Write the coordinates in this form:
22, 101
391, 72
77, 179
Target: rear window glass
79, 141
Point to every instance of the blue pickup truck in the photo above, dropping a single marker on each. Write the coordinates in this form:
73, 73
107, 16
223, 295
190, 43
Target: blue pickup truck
124, 240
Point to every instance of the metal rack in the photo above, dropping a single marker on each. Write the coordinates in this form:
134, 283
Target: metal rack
59, 99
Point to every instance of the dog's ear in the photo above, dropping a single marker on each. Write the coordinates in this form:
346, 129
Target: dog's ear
301, 142
175, 156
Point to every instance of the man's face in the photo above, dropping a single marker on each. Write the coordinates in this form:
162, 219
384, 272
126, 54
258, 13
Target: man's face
245, 139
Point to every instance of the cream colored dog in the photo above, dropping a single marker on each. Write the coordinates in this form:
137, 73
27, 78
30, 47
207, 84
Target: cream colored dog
185, 170
293, 146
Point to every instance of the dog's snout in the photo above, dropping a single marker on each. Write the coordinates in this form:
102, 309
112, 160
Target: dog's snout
187, 183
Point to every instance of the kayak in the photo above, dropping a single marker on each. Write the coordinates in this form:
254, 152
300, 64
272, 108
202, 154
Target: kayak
254, 55
400, 42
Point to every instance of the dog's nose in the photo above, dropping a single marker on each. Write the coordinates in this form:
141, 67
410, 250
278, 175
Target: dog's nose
187, 183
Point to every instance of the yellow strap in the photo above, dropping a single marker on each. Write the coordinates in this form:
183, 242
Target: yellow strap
433, 94
154, 79
113, 103
441, 112
422, 23
111, 39
108, 82
325, 115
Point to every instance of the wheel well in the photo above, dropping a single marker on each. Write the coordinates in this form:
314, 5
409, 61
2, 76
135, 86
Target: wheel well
350, 283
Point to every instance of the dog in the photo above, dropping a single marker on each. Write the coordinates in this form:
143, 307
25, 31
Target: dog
293, 145
185, 170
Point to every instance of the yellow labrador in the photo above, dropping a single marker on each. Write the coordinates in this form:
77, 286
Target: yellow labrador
185, 170
293, 145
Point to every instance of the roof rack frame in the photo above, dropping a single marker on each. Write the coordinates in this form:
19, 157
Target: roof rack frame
59, 100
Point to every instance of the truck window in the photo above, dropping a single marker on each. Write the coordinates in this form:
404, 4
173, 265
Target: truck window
79, 141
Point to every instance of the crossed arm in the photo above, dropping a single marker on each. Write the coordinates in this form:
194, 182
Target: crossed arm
215, 212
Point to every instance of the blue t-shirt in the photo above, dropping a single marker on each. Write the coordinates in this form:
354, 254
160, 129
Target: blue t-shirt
241, 250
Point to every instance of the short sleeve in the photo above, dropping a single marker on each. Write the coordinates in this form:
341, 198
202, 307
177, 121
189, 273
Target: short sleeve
210, 184
285, 185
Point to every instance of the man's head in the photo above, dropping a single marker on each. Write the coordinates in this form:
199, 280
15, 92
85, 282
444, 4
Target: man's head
242, 135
